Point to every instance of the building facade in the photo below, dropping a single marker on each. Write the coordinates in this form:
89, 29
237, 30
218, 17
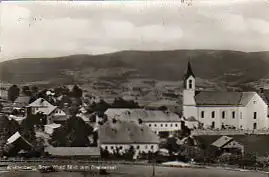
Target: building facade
121, 135
224, 110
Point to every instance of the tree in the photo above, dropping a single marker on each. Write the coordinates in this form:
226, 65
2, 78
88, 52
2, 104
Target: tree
76, 92
74, 133
121, 103
185, 131
13, 93
34, 90
26, 91
100, 107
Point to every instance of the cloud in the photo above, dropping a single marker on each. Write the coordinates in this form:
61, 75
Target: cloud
91, 27
259, 25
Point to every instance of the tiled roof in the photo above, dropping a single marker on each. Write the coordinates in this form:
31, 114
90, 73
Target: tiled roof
143, 114
40, 102
223, 98
126, 132
22, 101
73, 151
43, 105
53, 125
13, 138
222, 141
191, 119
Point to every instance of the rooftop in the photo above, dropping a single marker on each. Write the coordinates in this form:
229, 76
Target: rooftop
126, 132
223, 98
222, 141
143, 114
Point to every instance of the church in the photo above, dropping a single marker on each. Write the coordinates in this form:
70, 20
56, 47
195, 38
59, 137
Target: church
222, 110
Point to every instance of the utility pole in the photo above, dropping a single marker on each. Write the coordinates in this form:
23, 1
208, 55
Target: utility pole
153, 169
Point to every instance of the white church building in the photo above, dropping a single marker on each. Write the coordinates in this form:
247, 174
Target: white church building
218, 110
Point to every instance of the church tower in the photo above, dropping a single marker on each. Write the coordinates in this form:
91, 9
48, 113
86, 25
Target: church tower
189, 105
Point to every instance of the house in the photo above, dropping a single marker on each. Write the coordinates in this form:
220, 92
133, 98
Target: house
53, 113
191, 123
228, 144
50, 128
19, 141
158, 121
217, 109
78, 152
125, 134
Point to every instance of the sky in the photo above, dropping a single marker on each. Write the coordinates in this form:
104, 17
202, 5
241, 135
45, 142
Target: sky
50, 29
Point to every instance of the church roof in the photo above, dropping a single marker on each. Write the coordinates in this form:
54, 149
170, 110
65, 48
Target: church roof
223, 98
189, 71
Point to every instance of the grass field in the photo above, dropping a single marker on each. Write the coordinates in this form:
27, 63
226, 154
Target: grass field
144, 171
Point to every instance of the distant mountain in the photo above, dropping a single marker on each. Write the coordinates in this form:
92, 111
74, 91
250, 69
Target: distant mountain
232, 67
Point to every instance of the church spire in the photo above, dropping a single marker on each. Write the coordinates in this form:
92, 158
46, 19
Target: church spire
189, 71
189, 83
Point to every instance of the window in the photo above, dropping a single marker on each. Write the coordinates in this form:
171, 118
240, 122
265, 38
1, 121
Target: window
233, 114
151, 146
155, 125
176, 125
171, 125
161, 125
213, 114
254, 126
190, 84
111, 147
137, 147
213, 125
165, 125
105, 147
223, 114
241, 115
254, 115
202, 114
149, 125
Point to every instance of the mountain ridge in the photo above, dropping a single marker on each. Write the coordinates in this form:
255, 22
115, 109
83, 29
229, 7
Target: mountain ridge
234, 67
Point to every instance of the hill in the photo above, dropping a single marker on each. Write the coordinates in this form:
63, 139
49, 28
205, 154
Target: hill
218, 66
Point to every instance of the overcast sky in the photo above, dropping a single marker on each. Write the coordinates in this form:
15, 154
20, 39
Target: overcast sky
48, 29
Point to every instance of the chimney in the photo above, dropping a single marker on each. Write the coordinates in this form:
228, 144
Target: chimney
261, 90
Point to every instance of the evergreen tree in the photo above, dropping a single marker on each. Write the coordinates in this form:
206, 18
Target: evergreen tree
13, 93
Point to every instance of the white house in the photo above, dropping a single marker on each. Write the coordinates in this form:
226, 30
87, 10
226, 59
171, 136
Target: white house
158, 121
53, 113
217, 110
124, 134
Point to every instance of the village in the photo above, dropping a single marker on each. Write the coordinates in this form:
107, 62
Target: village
213, 127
